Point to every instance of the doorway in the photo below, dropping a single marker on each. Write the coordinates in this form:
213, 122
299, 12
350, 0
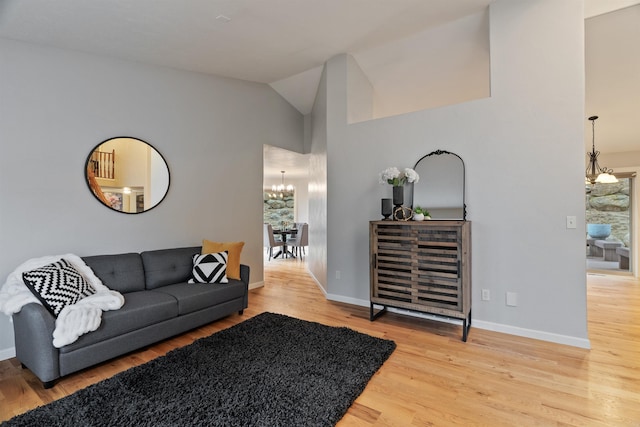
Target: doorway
285, 192
610, 225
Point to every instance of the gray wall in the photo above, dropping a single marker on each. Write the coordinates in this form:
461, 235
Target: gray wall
523, 149
55, 105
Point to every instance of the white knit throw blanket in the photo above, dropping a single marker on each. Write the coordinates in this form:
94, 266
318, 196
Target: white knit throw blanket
74, 320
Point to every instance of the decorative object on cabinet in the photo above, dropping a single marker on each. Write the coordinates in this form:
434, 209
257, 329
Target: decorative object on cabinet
423, 267
398, 196
402, 213
386, 208
420, 214
397, 179
442, 188
127, 175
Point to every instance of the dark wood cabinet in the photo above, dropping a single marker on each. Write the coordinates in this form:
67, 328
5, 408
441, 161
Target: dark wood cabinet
422, 266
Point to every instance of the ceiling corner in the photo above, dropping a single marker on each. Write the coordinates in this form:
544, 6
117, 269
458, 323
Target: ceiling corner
300, 89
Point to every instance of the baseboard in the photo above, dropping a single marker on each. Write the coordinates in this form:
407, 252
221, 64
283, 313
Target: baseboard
318, 284
347, 300
495, 327
256, 285
7, 353
531, 333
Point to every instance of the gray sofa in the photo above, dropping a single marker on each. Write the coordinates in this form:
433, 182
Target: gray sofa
158, 304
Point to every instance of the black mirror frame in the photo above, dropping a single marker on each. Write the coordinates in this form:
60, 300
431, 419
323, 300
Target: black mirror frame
438, 153
86, 175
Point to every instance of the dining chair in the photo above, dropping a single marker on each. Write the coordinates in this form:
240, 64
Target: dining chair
270, 241
301, 240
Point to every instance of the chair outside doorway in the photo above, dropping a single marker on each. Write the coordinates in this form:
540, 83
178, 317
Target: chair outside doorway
270, 241
301, 240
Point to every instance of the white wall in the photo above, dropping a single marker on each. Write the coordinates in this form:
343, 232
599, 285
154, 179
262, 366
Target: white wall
317, 259
523, 149
56, 105
301, 211
628, 159
360, 95
420, 71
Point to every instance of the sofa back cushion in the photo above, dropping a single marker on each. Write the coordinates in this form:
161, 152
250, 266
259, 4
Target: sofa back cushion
122, 272
168, 266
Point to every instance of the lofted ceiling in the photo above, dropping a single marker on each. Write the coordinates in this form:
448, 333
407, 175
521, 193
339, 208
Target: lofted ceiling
285, 43
257, 40
612, 64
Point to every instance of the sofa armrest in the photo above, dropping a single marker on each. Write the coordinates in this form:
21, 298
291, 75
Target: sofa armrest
244, 273
33, 326
244, 276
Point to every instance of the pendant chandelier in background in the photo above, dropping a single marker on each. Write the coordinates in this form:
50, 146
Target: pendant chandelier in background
595, 173
279, 190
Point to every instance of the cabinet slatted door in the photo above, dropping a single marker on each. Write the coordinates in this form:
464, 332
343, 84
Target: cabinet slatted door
422, 266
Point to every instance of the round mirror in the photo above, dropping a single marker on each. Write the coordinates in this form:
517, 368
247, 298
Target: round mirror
441, 186
127, 175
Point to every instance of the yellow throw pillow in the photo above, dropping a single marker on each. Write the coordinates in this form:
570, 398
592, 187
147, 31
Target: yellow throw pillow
234, 249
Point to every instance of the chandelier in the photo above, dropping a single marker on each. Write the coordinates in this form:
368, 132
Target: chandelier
281, 188
595, 173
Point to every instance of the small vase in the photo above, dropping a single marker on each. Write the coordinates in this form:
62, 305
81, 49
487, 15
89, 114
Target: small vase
386, 208
418, 217
398, 200
398, 195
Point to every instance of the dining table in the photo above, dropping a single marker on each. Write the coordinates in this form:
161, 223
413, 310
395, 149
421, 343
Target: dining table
285, 252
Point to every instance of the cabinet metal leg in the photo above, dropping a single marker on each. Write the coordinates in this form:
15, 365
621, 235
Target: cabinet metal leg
466, 325
373, 316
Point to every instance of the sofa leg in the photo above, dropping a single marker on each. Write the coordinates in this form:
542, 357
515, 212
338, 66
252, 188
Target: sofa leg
23, 366
241, 312
48, 384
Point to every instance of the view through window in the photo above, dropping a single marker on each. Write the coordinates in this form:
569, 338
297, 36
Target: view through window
608, 216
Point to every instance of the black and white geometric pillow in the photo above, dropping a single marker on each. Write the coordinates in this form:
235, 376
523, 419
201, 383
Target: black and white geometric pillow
210, 268
57, 285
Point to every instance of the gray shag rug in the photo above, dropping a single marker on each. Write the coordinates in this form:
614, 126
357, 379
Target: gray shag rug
270, 370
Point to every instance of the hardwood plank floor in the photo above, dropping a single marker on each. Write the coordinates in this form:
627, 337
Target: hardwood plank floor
434, 379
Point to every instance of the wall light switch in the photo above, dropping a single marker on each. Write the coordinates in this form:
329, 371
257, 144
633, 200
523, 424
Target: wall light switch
512, 299
571, 222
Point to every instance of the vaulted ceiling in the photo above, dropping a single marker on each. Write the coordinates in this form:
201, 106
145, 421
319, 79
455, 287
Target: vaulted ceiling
285, 42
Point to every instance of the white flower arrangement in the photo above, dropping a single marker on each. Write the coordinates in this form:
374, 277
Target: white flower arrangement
396, 178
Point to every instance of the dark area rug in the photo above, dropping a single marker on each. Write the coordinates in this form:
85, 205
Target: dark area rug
271, 370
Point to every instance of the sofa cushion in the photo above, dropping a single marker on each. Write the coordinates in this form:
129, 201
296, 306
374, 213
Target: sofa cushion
122, 272
234, 249
209, 268
140, 309
168, 266
196, 296
57, 285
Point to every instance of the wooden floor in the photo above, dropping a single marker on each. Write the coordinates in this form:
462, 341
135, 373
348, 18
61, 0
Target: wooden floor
434, 379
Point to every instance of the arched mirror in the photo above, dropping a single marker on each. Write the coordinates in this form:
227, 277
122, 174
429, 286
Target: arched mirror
127, 175
441, 186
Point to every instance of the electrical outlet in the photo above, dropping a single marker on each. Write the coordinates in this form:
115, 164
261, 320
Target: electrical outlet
486, 295
337, 274
512, 299
571, 222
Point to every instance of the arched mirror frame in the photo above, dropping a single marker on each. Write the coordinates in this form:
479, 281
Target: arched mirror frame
90, 178
439, 153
